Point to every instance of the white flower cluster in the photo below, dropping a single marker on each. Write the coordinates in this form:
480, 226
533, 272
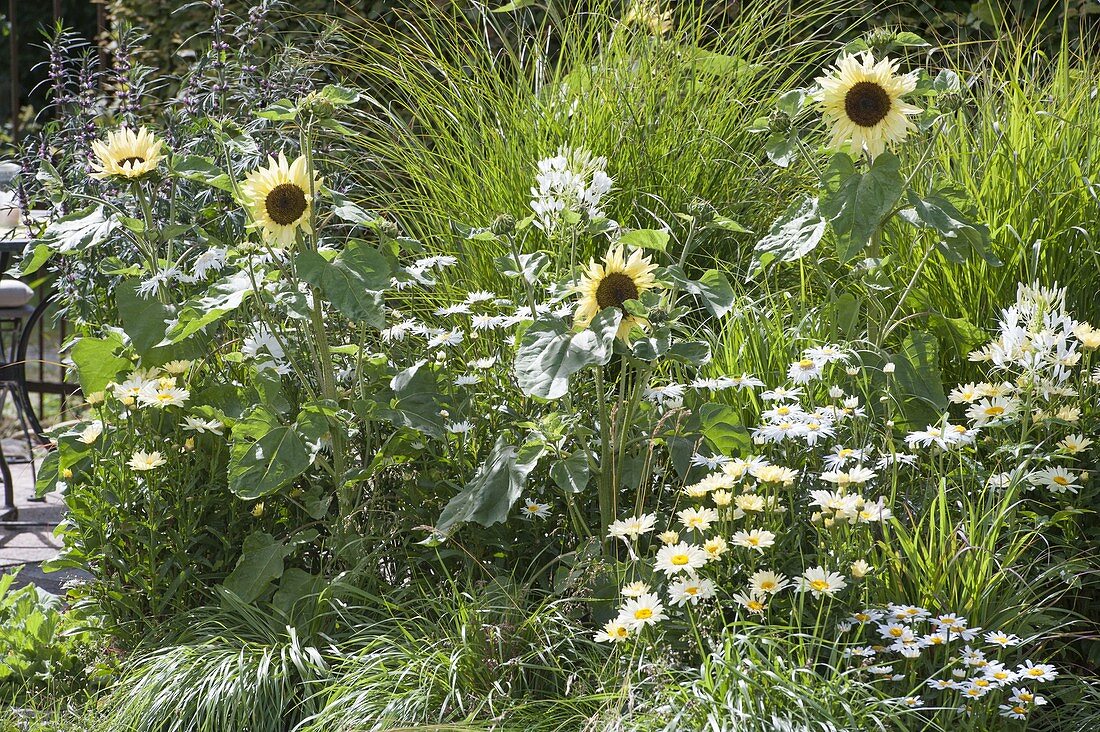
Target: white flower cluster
572, 181
910, 632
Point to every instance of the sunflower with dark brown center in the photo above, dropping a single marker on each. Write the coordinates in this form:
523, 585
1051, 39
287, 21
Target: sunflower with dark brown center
127, 154
611, 284
279, 199
861, 102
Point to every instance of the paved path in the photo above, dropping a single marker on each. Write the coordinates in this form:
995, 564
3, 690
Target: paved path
30, 545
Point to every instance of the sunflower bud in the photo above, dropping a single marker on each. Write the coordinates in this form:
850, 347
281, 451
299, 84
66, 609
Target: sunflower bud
317, 105
387, 230
701, 211
503, 225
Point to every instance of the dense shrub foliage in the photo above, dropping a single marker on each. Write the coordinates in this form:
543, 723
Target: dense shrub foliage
670, 378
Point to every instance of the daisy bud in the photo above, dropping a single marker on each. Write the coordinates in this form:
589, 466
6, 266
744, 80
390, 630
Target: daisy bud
852, 370
829, 522
67, 474
503, 225
888, 368
861, 569
258, 509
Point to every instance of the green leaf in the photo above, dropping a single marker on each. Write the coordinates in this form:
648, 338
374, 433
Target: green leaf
572, 473
696, 353
351, 212
846, 312
496, 486
281, 111
721, 426
261, 563
202, 170
908, 39
296, 585
646, 239
353, 282
793, 235
142, 318
270, 463
79, 230
530, 265
549, 352
96, 362
226, 296
712, 289
34, 258
918, 375
947, 81
652, 346
340, 96
960, 238
781, 148
415, 400
514, 5
857, 203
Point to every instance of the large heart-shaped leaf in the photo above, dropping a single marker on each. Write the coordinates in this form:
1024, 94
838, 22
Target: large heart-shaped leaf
495, 487
259, 468
793, 235
549, 352
856, 203
143, 318
96, 362
261, 563
353, 281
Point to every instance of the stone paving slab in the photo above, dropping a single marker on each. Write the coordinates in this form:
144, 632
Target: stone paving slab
30, 540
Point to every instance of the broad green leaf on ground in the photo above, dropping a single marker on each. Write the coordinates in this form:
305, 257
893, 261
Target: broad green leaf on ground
857, 203
272, 462
225, 296
96, 362
721, 426
571, 474
261, 563
497, 485
143, 318
550, 352
793, 235
353, 281
713, 290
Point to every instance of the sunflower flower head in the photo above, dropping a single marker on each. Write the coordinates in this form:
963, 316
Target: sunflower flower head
860, 100
279, 199
127, 154
611, 284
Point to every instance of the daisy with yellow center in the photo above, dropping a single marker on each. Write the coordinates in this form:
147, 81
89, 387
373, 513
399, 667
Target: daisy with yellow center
611, 284
142, 461
127, 154
279, 199
682, 557
613, 632
639, 612
766, 582
818, 581
861, 102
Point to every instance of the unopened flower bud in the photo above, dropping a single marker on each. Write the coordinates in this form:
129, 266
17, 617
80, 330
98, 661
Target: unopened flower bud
503, 225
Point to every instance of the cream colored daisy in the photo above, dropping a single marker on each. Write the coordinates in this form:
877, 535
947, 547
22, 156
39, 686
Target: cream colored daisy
127, 154
280, 199
861, 102
142, 461
611, 284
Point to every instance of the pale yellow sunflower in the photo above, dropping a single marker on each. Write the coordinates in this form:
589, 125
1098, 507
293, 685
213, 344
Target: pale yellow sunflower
647, 14
611, 284
861, 102
127, 154
280, 198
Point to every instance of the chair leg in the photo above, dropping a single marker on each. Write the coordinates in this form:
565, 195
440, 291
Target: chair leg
8, 511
